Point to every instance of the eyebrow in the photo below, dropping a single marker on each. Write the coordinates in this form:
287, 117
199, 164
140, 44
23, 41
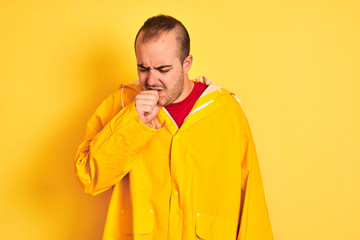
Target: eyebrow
164, 66
161, 67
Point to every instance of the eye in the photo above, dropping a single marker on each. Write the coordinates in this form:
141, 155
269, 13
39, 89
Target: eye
164, 70
143, 69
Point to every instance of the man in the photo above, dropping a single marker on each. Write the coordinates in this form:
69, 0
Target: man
177, 153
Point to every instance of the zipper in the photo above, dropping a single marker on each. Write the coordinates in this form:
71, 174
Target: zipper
199, 108
193, 111
171, 118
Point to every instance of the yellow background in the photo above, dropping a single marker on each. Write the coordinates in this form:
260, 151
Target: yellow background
294, 65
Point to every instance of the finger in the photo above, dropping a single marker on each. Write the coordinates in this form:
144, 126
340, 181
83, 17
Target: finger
148, 95
161, 102
144, 94
146, 108
141, 101
149, 91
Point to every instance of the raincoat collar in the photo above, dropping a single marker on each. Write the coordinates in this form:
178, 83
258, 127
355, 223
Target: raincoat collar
212, 87
205, 105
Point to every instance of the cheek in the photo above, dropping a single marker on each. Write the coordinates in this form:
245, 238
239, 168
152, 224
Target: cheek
168, 81
175, 79
141, 74
142, 77
142, 82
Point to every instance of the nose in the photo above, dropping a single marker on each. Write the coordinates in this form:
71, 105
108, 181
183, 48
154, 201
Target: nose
152, 79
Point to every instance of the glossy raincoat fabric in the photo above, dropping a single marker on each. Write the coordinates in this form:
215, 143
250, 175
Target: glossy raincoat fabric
201, 181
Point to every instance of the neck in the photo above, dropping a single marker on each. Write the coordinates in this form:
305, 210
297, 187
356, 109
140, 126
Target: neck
188, 86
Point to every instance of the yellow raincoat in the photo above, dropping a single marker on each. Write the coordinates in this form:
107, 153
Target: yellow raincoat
201, 181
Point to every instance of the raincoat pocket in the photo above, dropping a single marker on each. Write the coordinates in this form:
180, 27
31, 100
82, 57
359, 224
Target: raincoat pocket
137, 221
210, 227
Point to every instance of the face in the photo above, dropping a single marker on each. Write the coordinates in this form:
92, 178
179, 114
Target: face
159, 66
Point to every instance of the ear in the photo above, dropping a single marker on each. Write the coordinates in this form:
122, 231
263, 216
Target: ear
187, 63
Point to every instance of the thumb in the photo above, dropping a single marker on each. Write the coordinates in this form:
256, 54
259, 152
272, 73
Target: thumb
156, 109
161, 102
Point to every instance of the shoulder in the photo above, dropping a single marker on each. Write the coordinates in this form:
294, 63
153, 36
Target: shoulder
228, 99
232, 105
126, 93
117, 100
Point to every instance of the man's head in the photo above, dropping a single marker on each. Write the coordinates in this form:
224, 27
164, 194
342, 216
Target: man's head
155, 26
162, 53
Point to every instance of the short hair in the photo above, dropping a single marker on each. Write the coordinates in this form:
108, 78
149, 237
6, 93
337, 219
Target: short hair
155, 26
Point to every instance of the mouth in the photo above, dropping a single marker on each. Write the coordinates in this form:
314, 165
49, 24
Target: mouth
159, 90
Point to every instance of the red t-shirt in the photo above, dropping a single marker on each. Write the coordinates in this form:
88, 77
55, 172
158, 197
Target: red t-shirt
180, 110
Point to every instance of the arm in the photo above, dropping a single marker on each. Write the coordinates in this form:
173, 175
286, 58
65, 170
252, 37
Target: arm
113, 141
255, 222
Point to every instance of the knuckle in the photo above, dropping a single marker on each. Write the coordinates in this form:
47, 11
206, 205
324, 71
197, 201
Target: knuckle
148, 108
154, 102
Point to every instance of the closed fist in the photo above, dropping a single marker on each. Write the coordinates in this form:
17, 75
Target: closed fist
147, 105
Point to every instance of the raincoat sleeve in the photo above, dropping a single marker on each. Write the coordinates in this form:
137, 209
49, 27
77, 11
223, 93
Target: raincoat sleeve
255, 222
113, 140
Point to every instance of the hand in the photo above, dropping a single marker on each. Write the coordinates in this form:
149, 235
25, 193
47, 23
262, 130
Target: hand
147, 105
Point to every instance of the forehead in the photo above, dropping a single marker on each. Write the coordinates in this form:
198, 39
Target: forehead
164, 45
